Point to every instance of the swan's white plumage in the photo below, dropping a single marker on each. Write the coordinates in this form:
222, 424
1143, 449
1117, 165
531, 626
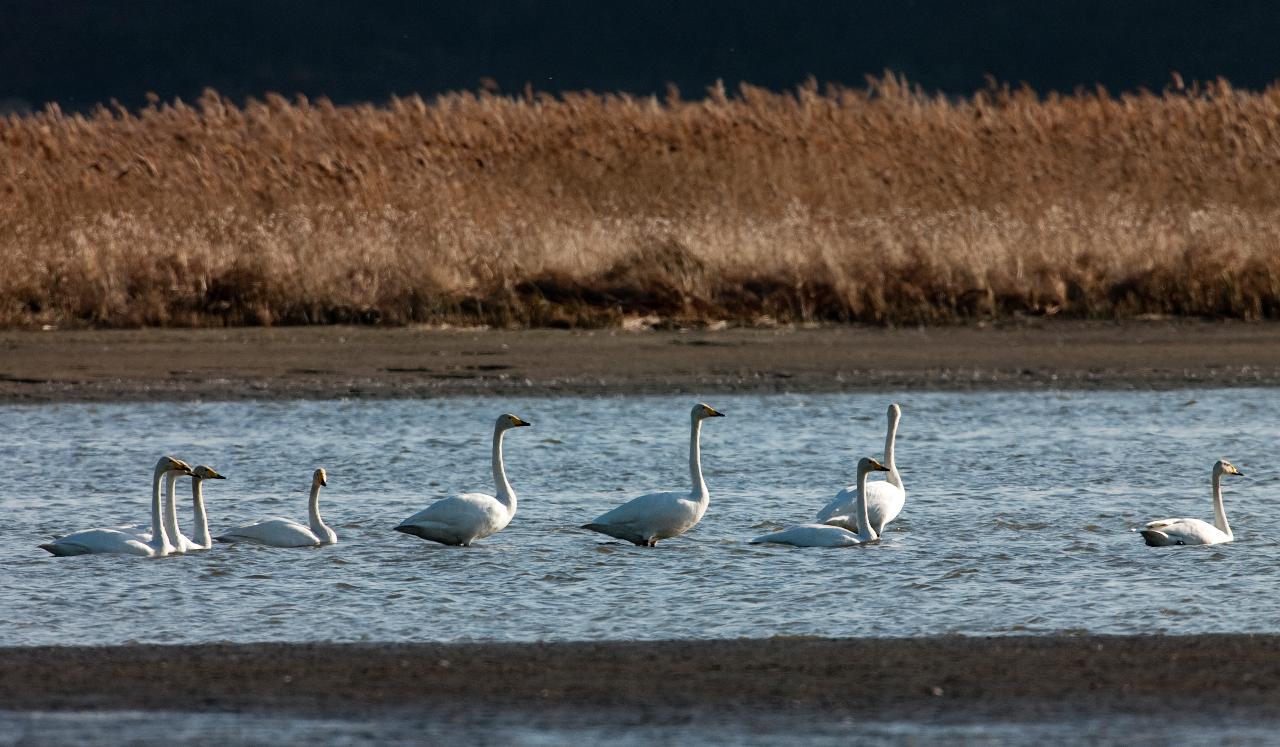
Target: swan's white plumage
104, 540
114, 540
810, 535
279, 532
885, 500
828, 535
657, 516
1172, 532
464, 518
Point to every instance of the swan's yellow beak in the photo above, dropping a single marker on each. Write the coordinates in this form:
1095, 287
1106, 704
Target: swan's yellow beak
1235, 471
713, 413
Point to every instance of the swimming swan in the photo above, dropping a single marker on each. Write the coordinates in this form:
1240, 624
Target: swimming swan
277, 532
884, 499
826, 535
93, 541
1168, 532
203, 541
464, 518
656, 516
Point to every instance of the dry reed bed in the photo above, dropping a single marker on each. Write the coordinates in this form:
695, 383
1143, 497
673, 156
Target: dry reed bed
880, 205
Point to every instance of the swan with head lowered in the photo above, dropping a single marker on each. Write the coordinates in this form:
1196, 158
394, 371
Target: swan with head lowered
827, 535
93, 541
464, 518
884, 498
1169, 532
277, 532
657, 516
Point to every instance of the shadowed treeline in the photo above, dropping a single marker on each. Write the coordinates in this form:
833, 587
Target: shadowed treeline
880, 205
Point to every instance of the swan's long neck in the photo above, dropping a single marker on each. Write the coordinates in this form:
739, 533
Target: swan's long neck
865, 532
318, 526
506, 496
1219, 513
695, 462
159, 540
171, 508
890, 438
202, 519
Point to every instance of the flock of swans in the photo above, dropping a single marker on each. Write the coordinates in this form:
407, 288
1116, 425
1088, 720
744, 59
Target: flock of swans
857, 515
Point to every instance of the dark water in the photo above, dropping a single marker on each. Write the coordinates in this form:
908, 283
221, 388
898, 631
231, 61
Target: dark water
1017, 520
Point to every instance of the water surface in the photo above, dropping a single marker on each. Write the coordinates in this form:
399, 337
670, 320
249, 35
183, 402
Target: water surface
1017, 519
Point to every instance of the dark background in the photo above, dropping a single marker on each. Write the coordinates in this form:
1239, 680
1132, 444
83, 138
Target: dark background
78, 52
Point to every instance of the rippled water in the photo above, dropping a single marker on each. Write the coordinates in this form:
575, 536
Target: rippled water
1017, 520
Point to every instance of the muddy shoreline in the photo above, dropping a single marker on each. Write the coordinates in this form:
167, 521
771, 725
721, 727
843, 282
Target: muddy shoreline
373, 363
1016, 678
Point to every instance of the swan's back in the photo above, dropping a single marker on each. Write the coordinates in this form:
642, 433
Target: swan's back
96, 541
1170, 532
458, 520
648, 517
273, 533
810, 535
884, 502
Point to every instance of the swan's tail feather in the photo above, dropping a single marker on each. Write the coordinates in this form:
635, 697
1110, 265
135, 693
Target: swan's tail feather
62, 550
1155, 538
431, 534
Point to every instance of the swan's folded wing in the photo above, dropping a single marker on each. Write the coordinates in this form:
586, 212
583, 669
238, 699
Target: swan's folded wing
274, 532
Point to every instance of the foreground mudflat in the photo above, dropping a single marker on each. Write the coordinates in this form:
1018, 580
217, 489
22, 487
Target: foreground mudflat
982, 679
361, 362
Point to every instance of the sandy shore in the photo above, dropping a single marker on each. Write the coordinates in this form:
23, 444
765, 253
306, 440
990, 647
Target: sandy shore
1018, 678
359, 362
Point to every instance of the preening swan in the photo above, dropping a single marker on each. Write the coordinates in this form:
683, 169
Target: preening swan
1167, 532
884, 499
464, 518
657, 516
827, 535
91, 541
277, 532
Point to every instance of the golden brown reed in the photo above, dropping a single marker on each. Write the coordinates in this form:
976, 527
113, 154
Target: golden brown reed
881, 204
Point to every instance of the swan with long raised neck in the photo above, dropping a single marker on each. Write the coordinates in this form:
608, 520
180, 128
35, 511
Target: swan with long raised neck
827, 535
885, 499
464, 518
1170, 532
658, 516
278, 532
114, 540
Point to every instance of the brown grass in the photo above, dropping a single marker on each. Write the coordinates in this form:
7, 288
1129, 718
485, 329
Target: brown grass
880, 205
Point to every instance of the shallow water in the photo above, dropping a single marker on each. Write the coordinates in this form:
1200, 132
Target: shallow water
1017, 521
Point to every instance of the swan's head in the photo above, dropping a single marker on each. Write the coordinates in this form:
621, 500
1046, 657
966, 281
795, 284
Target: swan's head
895, 413
867, 464
203, 472
320, 477
1223, 467
508, 420
701, 412
169, 464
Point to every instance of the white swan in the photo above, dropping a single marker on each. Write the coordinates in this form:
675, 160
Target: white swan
1167, 532
201, 473
657, 516
464, 518
884, 499
277, 532
827, 535
92, 541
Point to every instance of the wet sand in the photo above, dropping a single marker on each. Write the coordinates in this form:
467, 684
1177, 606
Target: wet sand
948, 678
361, 362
